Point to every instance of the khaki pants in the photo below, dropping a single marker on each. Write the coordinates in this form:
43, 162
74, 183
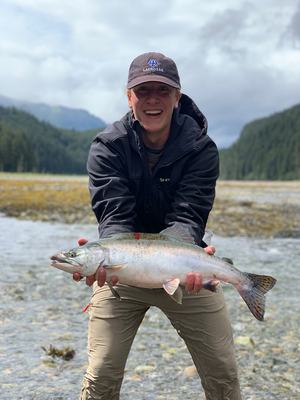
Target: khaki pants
202, 321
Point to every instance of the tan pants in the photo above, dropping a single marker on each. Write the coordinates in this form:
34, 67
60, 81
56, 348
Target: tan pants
202, 321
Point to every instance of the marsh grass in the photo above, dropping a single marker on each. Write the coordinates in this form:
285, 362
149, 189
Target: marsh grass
242, 208
43, 197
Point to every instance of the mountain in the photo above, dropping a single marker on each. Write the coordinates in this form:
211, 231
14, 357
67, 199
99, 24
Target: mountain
61, 117
29, 145
267, 149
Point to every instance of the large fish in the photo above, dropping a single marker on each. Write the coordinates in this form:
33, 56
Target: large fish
163, 260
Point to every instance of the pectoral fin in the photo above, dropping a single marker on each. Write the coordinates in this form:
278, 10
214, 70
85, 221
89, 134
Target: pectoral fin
173, 289
115, 293
115, 267
208, 285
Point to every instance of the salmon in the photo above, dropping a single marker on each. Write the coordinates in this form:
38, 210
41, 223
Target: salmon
163, 261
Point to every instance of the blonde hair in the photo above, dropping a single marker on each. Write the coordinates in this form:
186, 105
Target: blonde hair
178, 92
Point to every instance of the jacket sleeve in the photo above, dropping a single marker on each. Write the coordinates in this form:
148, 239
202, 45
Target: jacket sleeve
195, 196
111, 199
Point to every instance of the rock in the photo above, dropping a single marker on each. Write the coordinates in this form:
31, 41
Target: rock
244, 340
148, 368
191, 371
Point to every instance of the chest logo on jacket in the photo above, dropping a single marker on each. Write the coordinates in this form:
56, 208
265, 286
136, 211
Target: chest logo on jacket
164, 179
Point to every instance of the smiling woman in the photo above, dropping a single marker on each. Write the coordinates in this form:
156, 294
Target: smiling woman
153, 104
129, 193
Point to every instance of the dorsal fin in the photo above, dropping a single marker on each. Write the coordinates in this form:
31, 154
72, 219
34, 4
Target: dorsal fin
228, 260
207, 237
178, 232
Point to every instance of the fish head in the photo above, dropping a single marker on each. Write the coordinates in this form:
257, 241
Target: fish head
83, 259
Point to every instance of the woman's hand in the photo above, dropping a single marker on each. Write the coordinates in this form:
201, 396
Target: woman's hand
194, 281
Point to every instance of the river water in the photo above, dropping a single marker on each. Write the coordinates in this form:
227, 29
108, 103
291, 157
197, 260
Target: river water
41, 305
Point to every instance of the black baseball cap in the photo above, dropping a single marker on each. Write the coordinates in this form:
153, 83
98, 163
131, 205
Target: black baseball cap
153, 67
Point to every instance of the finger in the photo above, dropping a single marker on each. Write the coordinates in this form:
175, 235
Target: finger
210, 250
101, 277
113, 280
197, 283
90, 280
77, 277
82, 241
189, 285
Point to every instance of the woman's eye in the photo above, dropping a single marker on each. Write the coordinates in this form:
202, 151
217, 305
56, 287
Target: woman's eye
142, 89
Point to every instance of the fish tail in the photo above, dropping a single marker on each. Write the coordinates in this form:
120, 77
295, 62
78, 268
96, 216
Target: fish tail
254, 296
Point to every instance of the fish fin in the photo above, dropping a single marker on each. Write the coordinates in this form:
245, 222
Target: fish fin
177, 296
255, 296
178, 232
209, 286
262, 282
115, 267
173, 289
114, 292
207, 237
171, 286
228, 260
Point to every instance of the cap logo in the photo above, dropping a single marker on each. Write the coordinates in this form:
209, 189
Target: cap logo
153, 63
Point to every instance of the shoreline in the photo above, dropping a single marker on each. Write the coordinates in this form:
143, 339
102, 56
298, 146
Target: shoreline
242, 208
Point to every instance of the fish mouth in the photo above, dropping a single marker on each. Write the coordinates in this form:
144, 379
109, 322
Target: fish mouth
62, 260
59, 258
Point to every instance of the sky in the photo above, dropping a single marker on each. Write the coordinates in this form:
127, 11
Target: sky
238, 60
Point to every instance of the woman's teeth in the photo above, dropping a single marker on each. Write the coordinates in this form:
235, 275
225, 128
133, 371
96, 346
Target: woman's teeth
153, 112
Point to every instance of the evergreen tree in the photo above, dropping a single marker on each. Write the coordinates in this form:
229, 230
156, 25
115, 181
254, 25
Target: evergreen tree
16, 153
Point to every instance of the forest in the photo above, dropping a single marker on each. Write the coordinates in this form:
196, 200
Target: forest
29, 145
267, 149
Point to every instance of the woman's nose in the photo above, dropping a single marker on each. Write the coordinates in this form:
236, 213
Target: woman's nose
153, 98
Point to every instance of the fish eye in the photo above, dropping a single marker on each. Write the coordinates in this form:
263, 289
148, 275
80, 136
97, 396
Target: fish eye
72, 254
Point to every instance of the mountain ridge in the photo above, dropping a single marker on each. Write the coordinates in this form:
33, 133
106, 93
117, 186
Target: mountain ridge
58, 116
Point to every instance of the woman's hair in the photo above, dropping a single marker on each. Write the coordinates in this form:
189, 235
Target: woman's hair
178, 92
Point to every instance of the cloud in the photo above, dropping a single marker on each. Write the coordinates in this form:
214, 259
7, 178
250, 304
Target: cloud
292, 33
237, 60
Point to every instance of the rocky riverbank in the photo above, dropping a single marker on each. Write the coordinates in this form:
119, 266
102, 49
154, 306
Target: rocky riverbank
242, 208
41, 306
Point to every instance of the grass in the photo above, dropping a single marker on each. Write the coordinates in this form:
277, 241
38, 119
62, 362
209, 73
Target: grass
45, 197
237, 209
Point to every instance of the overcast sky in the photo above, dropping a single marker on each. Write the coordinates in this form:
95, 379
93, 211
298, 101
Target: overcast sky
239, 61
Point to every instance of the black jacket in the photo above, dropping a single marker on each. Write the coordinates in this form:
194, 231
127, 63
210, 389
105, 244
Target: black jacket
125, 197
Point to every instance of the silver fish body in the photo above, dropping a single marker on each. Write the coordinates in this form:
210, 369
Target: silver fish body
162, 261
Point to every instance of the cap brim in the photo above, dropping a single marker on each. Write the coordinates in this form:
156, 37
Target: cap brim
152, 78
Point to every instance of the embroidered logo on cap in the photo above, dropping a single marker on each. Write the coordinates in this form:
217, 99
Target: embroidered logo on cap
152, 70
153, 63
